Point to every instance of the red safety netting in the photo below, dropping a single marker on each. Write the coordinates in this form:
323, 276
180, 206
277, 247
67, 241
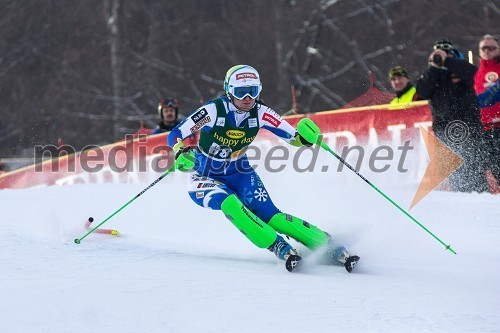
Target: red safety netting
373, 96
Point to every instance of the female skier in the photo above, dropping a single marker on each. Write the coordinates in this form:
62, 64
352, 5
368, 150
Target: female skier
222, 178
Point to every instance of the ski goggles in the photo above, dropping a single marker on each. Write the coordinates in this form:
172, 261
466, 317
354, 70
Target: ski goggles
443, 46
173, 103
241, 92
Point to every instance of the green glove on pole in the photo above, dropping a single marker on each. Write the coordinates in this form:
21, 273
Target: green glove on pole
310, 131
172, 168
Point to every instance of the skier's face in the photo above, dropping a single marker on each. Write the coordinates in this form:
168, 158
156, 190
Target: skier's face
246, 104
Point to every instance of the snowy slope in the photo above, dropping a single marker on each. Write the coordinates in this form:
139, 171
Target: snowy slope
181, 268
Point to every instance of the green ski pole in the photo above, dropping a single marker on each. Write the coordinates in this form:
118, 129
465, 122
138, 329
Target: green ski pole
312, 134
172, 168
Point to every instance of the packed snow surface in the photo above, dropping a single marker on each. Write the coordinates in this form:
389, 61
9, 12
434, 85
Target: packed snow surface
180, 268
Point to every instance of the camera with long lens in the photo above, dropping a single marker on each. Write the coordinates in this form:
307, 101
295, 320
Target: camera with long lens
438, 60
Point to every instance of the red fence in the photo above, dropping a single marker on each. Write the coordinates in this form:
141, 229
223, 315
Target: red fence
123, 161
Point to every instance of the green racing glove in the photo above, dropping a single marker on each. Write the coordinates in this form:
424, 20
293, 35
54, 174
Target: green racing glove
184, 157
299, 141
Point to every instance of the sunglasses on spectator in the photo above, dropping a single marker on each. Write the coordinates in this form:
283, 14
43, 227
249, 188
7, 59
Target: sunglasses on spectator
488, 48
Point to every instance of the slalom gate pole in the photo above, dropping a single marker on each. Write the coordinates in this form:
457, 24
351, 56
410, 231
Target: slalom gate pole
325, 146
172, 168
111, 232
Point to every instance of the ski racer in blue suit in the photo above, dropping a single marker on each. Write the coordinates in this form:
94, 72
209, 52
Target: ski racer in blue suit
222, 178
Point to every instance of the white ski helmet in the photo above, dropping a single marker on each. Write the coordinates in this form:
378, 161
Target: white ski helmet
242, 81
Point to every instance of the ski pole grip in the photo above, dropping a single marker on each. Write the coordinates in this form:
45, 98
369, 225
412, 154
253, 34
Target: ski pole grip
309, 130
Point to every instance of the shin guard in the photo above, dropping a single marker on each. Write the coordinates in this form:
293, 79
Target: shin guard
303, 232
257, 231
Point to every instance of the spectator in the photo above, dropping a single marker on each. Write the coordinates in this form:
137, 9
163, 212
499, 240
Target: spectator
448, 84
487, 85
169, 111
404, 89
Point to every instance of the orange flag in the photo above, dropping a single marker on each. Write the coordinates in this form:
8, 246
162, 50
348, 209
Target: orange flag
443, 161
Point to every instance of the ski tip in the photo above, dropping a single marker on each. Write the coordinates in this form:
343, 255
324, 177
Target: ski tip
77, 241
292, 262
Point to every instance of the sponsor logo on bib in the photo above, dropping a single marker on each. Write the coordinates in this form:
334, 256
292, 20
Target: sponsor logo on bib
235, 134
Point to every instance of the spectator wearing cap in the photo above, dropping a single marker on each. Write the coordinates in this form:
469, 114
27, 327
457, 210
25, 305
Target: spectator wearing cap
404, 89
448, 84
487, 86
168, 109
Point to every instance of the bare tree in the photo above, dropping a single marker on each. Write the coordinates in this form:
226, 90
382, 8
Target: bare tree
113, 21
88, 72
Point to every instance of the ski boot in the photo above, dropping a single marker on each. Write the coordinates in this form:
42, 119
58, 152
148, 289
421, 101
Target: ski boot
339, 256
285, 251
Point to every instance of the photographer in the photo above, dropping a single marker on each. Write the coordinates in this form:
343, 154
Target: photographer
448, 84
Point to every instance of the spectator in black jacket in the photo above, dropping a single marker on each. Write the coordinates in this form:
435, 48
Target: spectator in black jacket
448, 84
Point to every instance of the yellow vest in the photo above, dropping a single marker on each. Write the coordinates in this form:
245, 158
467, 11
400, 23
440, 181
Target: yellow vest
407, 97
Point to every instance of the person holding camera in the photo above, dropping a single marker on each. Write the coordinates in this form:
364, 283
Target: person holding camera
448, 84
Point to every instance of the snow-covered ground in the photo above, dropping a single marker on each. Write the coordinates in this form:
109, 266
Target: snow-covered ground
180, 268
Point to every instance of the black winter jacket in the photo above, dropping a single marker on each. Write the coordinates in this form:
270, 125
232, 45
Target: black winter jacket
451, 101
